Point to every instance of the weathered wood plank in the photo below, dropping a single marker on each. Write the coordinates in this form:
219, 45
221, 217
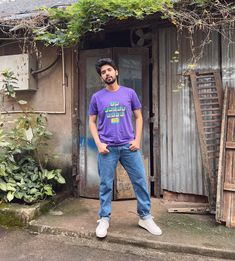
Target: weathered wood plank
230, 145
210, 109
225, 207
155, 109
231, 113
207, 96
193, 210
229, 186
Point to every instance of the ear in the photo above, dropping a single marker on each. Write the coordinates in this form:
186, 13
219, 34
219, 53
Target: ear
116, 72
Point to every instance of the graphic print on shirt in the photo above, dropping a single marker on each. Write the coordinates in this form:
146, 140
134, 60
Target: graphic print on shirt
114, 112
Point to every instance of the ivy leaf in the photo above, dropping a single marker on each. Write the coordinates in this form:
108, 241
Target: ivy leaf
3, 186
17, 177
10, 195
2, 171
19, 195
50, 174
34, 177
61, 179
33, 191
48, 190
10, 187
28, 199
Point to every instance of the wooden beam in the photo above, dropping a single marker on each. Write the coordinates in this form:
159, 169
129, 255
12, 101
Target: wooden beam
193, 210
230, 145
229, 186
221, 168
231, 113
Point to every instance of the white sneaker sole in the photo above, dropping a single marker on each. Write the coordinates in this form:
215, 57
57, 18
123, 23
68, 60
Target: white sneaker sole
156, 233
101, 235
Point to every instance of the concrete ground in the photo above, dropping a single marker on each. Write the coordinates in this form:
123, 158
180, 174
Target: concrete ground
182, 233
21, 245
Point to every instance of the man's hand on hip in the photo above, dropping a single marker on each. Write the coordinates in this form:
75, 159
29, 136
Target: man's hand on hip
135, 145
102, 148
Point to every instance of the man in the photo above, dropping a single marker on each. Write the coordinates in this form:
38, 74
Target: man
116, 141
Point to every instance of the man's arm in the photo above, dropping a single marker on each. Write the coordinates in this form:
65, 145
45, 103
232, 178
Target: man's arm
135, 144
102, 147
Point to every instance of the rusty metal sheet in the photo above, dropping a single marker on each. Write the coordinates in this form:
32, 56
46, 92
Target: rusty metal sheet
180, 156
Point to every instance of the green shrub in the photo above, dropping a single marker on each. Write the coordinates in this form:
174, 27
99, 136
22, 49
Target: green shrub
23, 159
22, 174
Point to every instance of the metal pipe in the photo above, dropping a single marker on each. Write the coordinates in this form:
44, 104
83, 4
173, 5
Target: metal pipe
46, 68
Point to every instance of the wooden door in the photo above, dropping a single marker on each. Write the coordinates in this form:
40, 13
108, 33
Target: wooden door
133, 72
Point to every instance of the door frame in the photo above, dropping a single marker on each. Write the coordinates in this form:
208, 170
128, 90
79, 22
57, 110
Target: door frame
82, 105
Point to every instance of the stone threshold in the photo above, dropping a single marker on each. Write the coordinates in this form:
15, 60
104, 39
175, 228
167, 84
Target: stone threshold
15, 214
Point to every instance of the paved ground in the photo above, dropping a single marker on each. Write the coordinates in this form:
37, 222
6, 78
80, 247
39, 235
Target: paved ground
182, 233
21, 245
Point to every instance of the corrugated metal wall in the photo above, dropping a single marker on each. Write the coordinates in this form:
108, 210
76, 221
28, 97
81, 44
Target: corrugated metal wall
228, 61
181, 164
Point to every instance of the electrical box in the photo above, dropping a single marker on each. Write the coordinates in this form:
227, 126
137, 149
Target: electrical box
21, 65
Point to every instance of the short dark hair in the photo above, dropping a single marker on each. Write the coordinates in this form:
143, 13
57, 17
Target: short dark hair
104, 61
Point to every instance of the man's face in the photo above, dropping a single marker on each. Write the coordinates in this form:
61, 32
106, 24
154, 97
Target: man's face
108, 74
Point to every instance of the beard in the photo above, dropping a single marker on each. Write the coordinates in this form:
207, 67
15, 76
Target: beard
110, 80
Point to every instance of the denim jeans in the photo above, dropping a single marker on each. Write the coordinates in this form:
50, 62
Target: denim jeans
133, 164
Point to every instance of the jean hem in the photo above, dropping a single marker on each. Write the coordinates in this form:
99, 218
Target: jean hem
107, 218
148, 216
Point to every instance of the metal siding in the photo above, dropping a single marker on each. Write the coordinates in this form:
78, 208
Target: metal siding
181, 164
228, 60
28, 6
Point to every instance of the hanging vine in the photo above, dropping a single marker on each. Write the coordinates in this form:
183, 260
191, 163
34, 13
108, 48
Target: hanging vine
207, 16
67, 26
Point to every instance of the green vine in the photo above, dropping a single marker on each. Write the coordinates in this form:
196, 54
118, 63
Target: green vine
66, 27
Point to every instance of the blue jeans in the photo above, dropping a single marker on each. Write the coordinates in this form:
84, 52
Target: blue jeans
133, 164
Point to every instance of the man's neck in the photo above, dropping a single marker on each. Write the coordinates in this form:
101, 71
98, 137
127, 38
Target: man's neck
112, 87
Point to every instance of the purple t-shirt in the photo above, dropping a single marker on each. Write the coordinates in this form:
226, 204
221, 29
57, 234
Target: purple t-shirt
114, 110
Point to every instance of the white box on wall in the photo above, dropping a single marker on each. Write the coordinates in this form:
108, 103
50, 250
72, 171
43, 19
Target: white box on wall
21, 65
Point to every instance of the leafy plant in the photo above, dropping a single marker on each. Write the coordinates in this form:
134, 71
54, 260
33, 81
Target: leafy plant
22, 173
67, 26
23, 159
9, 83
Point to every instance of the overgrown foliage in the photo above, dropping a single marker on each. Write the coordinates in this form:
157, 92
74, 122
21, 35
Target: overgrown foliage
207, 16
66, 26
23, 172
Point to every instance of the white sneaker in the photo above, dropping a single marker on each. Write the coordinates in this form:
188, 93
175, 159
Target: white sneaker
150, 225
102, 228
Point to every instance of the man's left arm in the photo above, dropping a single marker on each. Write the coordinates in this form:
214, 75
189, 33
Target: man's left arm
135, 144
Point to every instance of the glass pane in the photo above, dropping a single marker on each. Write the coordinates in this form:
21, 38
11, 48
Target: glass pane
130, 75
130, 72
93, 84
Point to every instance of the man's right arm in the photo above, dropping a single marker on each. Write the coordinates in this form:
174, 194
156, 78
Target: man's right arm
102, 147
